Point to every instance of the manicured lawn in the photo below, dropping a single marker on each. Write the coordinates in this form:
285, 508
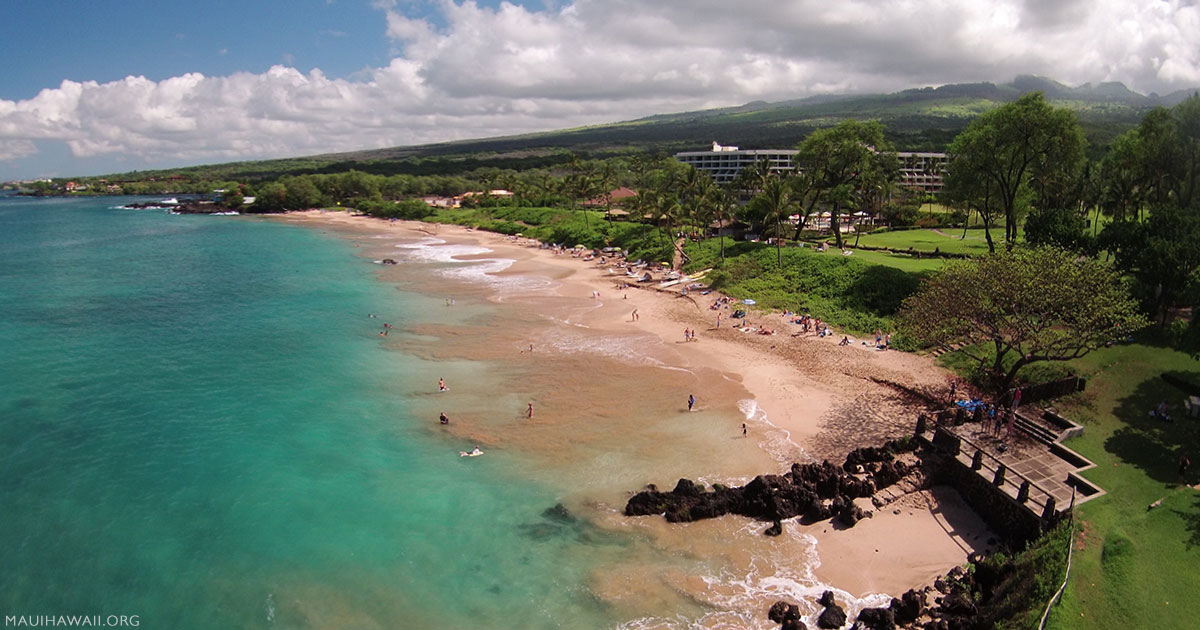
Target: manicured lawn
1134, 567
948, 240
897, 261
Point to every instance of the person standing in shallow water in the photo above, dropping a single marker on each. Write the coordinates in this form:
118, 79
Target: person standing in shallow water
691, 401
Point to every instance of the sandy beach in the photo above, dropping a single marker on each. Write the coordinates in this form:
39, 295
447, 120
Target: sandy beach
812, 399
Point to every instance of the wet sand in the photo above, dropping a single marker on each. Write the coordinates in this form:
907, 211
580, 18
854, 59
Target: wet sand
610, 394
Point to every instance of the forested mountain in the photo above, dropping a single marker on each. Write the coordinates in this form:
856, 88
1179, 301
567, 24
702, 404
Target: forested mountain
922, 119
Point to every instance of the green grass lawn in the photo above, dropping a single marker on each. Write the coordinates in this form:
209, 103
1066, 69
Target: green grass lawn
949, 240
896, 261
1134, 568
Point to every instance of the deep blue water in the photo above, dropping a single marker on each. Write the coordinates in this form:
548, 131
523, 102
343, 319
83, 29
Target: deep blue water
199, 426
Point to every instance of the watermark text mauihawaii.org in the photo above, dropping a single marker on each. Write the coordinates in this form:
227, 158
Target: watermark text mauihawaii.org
71, 621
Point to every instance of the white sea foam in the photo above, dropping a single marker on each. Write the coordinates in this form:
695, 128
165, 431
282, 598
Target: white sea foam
625, 348
777, 441
482, 270
740, 600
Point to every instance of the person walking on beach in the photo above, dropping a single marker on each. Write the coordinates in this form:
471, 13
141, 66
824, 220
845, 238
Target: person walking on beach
953, 388
530, 410
743, 429
635, 315
691, 401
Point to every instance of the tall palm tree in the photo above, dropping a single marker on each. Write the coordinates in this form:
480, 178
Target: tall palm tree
774, 204
721, 205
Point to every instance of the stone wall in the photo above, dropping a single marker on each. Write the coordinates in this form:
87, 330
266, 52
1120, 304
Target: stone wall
1015, 523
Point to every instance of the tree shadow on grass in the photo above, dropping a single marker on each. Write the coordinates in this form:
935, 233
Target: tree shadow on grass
1191, 520
1149, 443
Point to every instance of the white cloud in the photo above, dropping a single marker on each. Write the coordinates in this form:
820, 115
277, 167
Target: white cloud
480, 71
15, 149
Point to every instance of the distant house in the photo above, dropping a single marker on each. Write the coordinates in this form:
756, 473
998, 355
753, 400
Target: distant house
441, 202
616, 197
73, 187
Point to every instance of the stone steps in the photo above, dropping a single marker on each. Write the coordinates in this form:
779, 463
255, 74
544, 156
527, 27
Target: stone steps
1035, 430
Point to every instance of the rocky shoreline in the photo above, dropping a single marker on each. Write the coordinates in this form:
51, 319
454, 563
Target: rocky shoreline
814, 492
970, 598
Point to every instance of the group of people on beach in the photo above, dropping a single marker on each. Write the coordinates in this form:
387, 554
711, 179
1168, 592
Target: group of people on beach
995, 420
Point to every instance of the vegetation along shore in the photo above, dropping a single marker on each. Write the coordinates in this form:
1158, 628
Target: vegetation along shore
1013, 347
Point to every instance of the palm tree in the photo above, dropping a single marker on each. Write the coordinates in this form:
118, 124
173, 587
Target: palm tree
721, 205
774, 204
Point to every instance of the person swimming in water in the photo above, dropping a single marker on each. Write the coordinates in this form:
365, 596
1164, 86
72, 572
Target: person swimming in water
444, 418
441, 384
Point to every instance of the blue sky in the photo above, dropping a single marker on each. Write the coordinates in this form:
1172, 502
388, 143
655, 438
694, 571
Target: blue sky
108, 40
106, 86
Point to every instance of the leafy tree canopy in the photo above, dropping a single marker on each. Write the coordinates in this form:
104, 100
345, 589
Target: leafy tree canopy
1028, 305
1023, 144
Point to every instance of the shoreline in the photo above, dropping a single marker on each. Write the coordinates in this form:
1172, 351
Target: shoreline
827, 399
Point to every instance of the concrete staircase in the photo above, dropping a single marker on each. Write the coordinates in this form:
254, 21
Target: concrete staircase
1035, 429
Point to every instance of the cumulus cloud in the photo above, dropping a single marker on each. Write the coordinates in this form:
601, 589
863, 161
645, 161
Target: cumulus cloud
478, 71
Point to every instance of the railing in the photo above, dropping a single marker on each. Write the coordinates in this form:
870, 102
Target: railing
1024, 491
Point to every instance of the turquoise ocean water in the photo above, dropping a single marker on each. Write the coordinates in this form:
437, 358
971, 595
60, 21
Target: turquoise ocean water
199, 426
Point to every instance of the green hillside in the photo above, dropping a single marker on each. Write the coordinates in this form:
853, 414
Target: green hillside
924, 119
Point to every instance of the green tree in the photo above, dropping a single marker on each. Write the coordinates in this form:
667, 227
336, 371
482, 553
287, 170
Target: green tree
773, 206
1013, 146
841, 159
271, 198
1162, 253
1123, 177
1056, 227
1021, 307
302, 193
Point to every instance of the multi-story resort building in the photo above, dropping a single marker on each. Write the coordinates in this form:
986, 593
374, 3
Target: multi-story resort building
922, 171
724, 164
919, 171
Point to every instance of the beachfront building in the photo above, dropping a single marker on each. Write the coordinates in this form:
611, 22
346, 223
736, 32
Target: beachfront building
724, 163
922, 171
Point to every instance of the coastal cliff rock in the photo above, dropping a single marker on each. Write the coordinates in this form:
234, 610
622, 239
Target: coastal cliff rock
814, 491
781, 611
909, 607
833, 616
876, 619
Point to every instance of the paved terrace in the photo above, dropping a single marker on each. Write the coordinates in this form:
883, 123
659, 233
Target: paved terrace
1031, 467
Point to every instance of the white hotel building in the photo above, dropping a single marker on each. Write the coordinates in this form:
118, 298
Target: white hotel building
919, 171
